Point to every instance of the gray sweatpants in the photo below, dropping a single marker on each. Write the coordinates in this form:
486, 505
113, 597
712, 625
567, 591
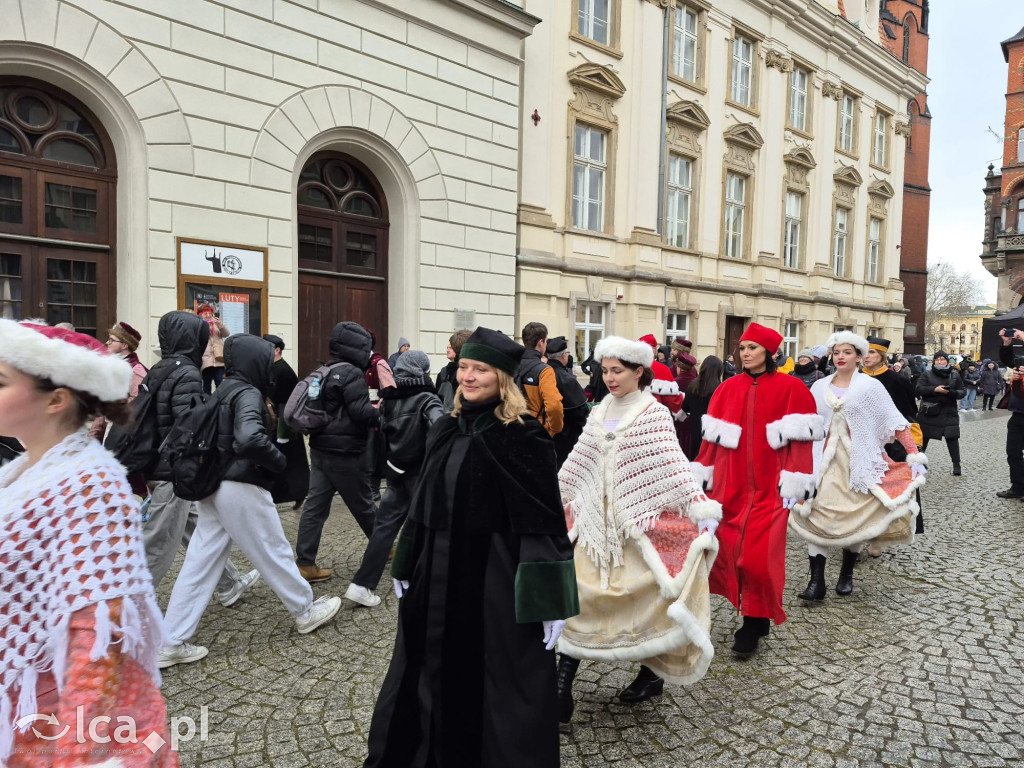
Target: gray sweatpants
244, 514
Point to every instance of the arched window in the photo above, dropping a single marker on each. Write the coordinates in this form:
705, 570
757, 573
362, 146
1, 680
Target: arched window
924, 16
942, 327
963, 326
907, 30
57, 197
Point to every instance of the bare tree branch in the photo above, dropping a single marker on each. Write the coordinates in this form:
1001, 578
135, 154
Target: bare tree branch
949, 293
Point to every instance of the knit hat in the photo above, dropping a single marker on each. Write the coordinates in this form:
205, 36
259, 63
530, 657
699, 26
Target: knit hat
878, 344
805, 352
556, 346
766, 337
848, 337
277, 341
66, 358
413, 364
941, 354
494, 348
819, 351
403, 342
126, 334
636, 352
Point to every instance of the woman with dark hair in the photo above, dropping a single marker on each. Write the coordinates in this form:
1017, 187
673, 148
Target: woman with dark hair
76, 590
990, 386
638, 518
698, 397
757, 462
941, 388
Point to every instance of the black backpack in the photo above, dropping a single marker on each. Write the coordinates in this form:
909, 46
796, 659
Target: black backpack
137, 445
191, 450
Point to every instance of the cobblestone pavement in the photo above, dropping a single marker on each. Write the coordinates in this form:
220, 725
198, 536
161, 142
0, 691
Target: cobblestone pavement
921, 666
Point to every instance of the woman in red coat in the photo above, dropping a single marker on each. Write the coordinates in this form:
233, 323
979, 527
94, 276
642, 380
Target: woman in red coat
757, 461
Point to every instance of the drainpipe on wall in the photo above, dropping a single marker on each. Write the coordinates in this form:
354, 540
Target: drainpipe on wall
664, 123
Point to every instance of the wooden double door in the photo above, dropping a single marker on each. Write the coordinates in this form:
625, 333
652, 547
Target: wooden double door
326, 300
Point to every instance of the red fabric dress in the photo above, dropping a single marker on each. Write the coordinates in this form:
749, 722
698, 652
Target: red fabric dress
757, 450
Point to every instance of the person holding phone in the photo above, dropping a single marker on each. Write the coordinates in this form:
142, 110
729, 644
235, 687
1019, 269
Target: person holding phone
1015, 426
941, 388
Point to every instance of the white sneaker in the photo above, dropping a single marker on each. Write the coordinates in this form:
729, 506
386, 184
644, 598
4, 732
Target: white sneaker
185, 653
322, 611
240, 587
361, 595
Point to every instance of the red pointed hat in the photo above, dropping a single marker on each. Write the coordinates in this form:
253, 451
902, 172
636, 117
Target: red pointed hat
766, 337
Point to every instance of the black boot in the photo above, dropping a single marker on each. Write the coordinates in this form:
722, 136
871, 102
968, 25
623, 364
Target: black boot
646, 685
816, 586
747, 636
845, 584
567, 667
956, 470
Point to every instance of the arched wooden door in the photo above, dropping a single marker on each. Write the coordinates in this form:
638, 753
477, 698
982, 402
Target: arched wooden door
343, 254
58, 180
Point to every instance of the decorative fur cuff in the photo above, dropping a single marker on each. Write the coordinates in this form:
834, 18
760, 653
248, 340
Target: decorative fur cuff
662, 387
917, 458
796, 485
795, 426
680, 415
721, 432
703, 475
704, 510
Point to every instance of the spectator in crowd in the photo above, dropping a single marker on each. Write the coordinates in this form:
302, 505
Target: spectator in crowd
447, 382
537, 380
990, 385
403, 346
292, 485
213, 356
574, 399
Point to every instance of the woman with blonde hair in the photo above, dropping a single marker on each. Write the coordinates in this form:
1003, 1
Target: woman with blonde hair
485, 572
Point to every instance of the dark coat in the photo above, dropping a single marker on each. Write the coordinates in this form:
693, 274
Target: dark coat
183, 338
808, 373
991, 382
939, 415
407, 411
345, 393
246, 440
971, 380
447, 376
574, 411
292, 484
696, 406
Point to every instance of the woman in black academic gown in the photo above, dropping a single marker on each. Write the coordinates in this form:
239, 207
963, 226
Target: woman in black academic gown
292, 484
485, 572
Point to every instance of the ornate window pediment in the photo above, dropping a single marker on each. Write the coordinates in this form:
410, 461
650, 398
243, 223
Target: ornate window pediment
881, 188
849, 175
744, 134
597, 78
799, 162
688, 113
800, 157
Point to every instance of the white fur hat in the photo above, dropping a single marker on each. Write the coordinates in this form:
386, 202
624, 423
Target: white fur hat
636, 352
66, 358
848, 337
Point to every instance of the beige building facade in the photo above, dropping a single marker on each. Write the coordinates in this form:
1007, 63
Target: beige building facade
959, 332
688, 167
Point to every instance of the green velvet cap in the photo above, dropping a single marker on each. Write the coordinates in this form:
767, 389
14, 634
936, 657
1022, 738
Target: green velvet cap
494, 348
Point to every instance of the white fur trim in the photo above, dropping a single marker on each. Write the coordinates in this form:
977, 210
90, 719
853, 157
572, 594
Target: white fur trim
795, 426
720, 432
917, 458
704, 475
636, 352
661, 387
848, 337
796, 485
704, 510
66, 365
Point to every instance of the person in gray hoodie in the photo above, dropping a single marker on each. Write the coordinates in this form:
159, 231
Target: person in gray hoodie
403, 346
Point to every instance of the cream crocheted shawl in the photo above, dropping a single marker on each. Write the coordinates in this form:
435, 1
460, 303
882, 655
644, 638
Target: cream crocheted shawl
70, 538
639, 469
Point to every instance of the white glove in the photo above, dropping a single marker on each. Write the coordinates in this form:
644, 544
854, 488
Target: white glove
282, 440
918, 470
552, 631
707, 525
400, 587
790, 503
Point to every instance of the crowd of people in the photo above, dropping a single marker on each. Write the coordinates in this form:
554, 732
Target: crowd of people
523, 513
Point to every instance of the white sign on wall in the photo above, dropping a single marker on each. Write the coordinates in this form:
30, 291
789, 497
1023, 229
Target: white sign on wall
222, 262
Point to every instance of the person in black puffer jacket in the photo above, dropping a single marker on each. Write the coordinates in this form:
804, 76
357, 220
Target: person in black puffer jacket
806, 368
990, 385
940, 389
408, 410
336, 451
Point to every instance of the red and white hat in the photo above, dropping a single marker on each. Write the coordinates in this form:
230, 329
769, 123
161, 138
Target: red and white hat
766, 337
66, 358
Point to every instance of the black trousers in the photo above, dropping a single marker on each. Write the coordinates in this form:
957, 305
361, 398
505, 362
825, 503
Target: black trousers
952, 443
1015, 450
329, 473
986, 402
394, 506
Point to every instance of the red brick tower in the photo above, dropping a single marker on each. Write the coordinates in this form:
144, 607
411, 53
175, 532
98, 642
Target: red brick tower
904, 30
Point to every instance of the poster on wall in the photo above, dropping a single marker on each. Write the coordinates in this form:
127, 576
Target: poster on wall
232, 279
241, 311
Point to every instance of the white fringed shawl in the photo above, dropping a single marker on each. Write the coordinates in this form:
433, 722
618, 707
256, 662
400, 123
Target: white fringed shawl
640, 469
873, 421
70, 538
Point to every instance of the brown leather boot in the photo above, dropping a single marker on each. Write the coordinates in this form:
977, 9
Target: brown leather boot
313, 574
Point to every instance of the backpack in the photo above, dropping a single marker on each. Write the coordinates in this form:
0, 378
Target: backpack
304, 412
191, 450
137, 445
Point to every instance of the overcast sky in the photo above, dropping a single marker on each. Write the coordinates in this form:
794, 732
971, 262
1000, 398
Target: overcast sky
967, 96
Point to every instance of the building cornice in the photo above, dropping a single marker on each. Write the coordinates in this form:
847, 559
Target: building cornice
501, 12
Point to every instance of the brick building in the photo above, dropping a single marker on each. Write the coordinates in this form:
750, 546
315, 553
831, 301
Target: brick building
1003, 247
904, 30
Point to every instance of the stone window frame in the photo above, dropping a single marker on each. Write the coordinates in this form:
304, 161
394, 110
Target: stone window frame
856, 96
846, 182
742, 142
700, 8
807, 131
798, 163
756, 39
685, 122
613, 46
880, 192
791, 342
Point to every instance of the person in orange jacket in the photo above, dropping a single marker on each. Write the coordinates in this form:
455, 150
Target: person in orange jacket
537, 380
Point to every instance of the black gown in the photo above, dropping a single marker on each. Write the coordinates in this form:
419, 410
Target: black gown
292, 484
488, 559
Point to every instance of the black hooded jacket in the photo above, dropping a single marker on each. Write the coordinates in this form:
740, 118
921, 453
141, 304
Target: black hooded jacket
345, 393
183, 338
408, 410
245, 443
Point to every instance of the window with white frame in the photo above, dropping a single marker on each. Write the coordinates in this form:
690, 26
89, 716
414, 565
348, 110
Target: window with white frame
798, 82
735, 207
684, 44
839, 234
794, 221
876, 332
880, 147
874, 248
594, 20
590, 166
791, 338
1020, 145
847, 122
676, 324
589, 326
680, 191
742, 69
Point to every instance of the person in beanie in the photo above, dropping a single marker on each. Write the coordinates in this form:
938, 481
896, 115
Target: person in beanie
408, 409
644, 536
403, 346
484, 569
446, 382
241, 511
574, 399
213, 356
862, 493
82, 628
940, 389
972, 378
806, 368
292, 485
757, 461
